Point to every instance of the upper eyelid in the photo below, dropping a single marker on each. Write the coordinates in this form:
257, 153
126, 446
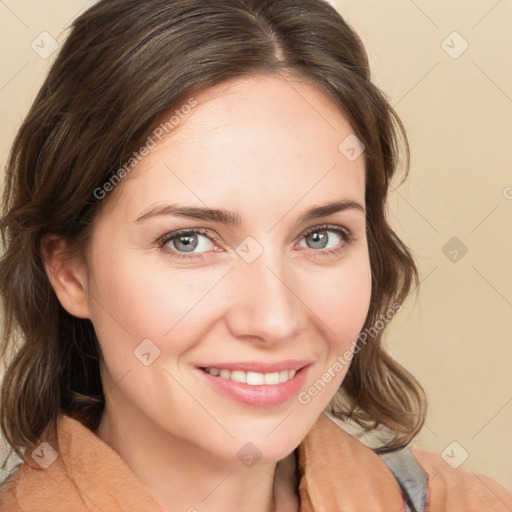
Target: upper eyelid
327, 227
182, 232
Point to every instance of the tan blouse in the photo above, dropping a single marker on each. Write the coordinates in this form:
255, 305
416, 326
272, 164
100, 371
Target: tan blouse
338, 473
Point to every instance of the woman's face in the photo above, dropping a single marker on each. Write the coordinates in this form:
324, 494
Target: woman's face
280, 288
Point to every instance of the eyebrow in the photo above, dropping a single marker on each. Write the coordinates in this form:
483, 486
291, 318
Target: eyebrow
329, 209
234, 219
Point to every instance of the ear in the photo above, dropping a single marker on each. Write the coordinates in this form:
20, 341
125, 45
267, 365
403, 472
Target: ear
67, 275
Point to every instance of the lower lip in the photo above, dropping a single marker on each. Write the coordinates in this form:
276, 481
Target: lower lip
262, 395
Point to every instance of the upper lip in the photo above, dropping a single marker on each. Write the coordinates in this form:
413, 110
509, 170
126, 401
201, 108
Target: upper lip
260, 367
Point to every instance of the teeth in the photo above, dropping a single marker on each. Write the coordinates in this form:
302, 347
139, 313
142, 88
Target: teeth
253, 378
271, 378
238, 376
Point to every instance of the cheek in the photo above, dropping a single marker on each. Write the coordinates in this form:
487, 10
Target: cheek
136, 299
145, 313
341, 300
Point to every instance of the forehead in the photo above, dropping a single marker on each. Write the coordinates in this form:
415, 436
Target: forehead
257, 142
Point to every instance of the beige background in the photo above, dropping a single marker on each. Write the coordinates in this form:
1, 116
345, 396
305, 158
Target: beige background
458, 113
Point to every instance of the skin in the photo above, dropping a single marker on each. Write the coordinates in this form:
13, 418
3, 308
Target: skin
266, 147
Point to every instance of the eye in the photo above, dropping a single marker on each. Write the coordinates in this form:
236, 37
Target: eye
195, 242
326, 239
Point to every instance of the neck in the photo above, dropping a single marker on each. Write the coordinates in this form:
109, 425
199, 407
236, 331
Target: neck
181, 476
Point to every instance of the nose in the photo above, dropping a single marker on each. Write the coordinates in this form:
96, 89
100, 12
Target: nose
265, 304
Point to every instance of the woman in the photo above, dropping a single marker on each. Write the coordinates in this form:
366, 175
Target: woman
200, 267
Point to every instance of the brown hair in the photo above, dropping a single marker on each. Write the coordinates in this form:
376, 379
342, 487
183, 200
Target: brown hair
124, 64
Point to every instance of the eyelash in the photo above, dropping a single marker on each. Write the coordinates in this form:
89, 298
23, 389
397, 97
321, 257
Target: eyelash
162, 242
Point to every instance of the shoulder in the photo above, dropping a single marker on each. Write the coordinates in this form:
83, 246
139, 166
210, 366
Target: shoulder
430, 483
8, 501
42, 481
460, 489
74, 471
28, 488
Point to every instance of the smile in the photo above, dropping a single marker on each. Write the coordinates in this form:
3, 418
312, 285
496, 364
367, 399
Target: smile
254, 383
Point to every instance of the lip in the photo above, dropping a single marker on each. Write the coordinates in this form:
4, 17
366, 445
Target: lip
261, 395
